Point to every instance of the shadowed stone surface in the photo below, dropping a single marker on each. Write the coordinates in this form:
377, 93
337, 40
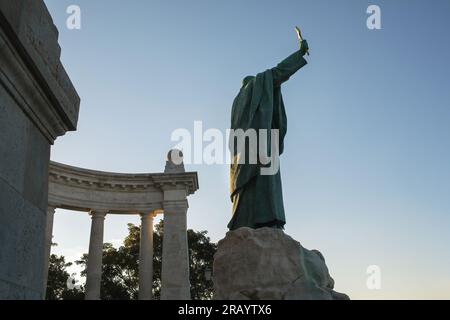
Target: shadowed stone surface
267, 264
38, 103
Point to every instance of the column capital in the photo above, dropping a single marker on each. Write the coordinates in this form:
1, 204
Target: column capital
147, 215
51, 209
98, 213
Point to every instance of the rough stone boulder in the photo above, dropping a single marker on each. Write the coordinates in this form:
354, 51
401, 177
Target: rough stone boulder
267, 264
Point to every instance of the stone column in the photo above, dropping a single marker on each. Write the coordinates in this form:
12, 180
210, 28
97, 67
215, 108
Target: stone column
48, 243
146, 257
94, 263
175, 257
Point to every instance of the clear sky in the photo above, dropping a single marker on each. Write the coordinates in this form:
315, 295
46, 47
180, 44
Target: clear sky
366, 168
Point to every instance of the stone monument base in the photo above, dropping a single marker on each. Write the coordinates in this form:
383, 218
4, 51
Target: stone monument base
267, 264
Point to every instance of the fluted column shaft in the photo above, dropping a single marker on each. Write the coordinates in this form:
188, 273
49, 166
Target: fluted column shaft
94, 263
48, 243
146, 257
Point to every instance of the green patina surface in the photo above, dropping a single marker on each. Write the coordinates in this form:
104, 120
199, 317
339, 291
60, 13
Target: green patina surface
258, 199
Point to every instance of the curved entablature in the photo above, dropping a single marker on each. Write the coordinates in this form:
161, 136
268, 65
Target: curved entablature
82, 189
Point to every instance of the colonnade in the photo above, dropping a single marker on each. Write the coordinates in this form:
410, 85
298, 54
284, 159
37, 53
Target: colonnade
106, 193
175, 263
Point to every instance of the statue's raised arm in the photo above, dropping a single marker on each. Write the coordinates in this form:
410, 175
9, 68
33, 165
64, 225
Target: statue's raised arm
286, 68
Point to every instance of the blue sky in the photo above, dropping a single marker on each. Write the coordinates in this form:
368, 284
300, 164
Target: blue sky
366, 173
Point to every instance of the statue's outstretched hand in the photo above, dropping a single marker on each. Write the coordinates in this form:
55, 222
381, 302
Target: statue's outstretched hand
304, 47
303, 44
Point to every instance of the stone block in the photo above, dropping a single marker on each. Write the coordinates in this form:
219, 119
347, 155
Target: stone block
38, 103
22, 234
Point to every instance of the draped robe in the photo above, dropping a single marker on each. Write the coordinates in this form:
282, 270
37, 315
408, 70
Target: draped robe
258, 199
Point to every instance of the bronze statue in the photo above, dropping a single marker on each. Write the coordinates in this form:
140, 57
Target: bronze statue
257, 198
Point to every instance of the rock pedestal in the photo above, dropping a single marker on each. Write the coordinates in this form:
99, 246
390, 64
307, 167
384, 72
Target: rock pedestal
267, 264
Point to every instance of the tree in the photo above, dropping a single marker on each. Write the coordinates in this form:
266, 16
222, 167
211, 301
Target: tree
201, 257
120, 274
59, 280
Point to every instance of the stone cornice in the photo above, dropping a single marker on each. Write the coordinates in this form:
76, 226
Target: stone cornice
32, 72
121, 182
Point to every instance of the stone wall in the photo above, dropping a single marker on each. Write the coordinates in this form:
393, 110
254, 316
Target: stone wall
38, 103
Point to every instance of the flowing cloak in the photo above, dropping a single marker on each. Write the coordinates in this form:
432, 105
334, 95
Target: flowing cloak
257, 199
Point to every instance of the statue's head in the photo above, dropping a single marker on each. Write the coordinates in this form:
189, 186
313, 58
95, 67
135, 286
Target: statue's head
246, 80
